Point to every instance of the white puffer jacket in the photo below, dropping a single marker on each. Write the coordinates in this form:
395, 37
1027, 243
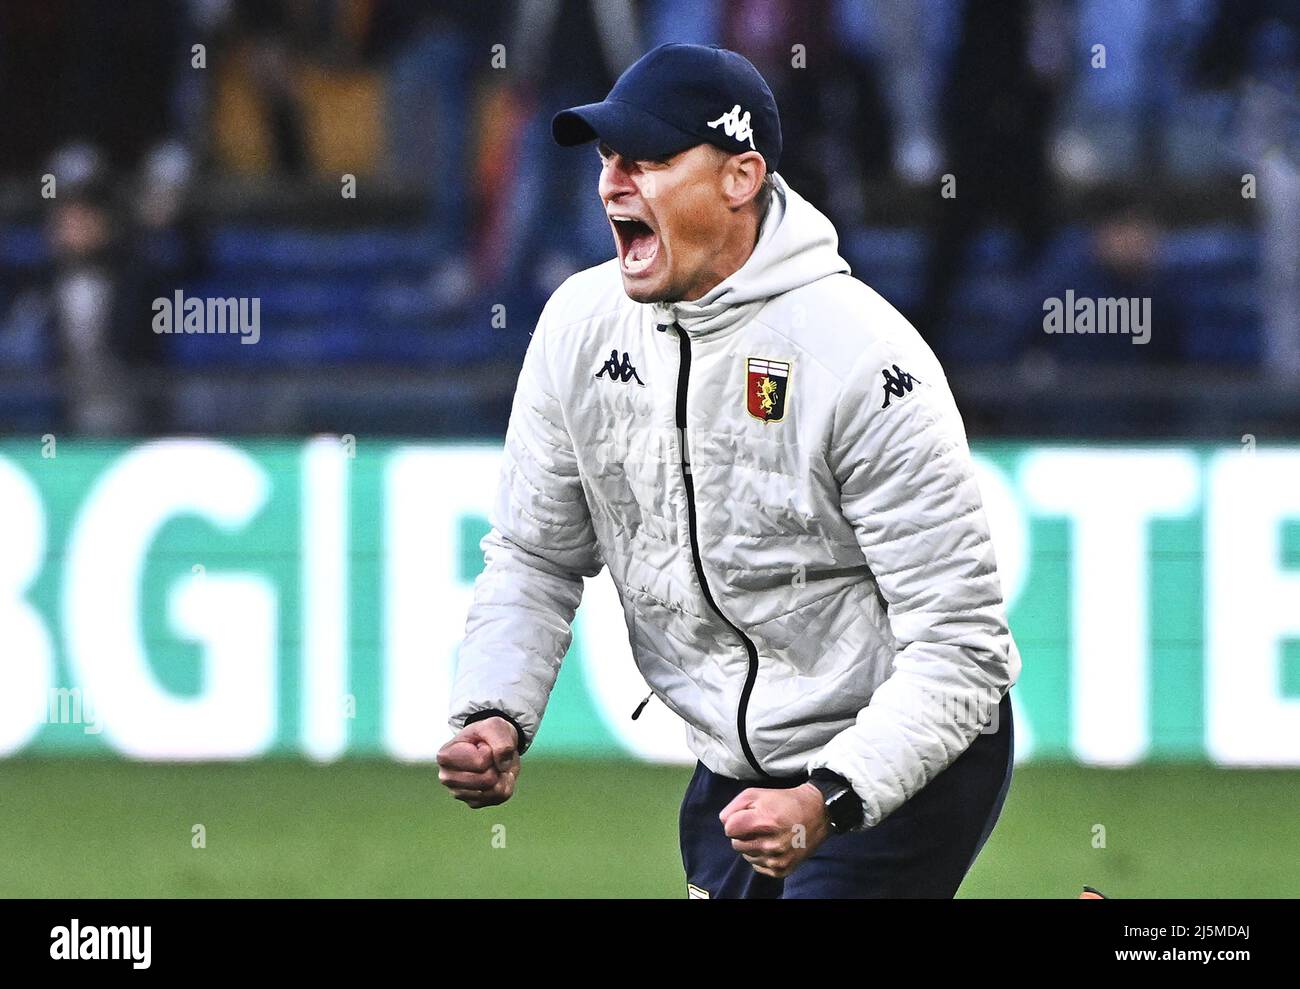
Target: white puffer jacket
804, 564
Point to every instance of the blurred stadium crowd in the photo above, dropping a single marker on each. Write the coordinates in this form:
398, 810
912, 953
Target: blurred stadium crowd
379, 174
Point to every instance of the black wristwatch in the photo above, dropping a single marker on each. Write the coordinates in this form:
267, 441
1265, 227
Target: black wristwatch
843, 807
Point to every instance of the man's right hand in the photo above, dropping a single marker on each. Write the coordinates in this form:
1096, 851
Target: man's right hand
481, 764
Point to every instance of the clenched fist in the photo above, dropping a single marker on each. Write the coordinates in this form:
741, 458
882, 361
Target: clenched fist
775, 830
481, 764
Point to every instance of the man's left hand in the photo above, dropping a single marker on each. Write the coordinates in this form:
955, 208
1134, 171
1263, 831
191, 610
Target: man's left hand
775, 830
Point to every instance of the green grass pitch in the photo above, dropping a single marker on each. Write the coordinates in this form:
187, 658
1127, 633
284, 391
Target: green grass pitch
100, 828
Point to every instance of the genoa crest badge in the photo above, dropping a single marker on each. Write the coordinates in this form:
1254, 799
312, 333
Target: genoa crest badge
766, 383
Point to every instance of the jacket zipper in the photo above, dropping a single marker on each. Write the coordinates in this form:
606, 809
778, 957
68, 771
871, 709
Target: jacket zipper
683, 380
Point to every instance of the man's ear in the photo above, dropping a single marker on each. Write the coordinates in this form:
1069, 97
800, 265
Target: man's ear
742, 177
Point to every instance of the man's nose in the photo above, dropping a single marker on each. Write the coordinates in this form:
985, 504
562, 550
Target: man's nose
615, 180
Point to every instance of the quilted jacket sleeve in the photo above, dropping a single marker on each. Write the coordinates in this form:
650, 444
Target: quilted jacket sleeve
908, 487
537, 552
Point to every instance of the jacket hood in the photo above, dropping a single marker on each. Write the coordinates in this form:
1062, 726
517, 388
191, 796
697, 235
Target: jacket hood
797, 245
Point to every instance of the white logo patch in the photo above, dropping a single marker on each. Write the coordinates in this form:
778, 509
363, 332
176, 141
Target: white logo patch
735, 125
694, 892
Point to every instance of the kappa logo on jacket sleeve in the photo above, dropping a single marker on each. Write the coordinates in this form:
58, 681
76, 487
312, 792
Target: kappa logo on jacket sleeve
898, 384
766, 384
619, 370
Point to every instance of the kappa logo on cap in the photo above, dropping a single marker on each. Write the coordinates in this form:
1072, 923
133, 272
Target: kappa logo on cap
735, 125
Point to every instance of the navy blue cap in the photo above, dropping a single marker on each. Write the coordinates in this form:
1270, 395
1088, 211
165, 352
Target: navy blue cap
677, 96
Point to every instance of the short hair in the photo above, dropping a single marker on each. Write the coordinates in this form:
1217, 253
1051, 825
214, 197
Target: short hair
764, 195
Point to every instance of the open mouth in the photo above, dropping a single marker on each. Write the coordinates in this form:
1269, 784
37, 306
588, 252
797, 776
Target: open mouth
638, 244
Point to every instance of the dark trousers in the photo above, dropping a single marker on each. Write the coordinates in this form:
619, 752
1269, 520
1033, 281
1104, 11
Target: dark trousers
923, 849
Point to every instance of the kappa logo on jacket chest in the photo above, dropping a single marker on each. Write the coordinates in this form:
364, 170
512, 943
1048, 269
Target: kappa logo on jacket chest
619, 370
766, 385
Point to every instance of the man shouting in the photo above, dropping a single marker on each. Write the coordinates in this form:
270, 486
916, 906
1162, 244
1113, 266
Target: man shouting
769, 460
